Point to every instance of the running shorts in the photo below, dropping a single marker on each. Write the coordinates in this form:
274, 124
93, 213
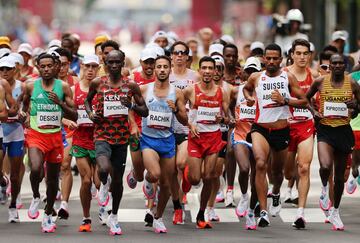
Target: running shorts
278, 139
116, 153
206, 144
80, 152
180, 138
235, 142
50, 144
357, 140
341, 138
14, 149
224, 137
299, 132
165, 147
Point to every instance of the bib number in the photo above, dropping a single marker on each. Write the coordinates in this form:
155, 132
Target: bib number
159, 120
207, 115
335, 110
300, 114
83, 118
48, 119
114, 109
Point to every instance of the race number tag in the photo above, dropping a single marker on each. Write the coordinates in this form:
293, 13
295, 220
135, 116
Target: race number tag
207, 115
83, 118
335, 110
48, 119
247, 113
301, 114
159, 120
114, 108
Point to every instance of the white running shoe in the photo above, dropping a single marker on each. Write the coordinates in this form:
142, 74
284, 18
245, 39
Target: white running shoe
148, 190
103, 195
47, 225
159, 226
19, 204
13, 215
327, 215
113, 224
351, 184
211, 214
220, 196
63, 212
288, 197
250, 221
243, 205
109, 205
229, 199
263, 220
335, 219
275, 207
103, 215
324, 200
33, 211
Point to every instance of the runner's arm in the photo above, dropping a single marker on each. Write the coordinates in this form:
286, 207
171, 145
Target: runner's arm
249, 88
314, 88
180, 111
233, 97
10, 101
68, 106
89, 98
301, 100
3, 110
140, 106
225, 108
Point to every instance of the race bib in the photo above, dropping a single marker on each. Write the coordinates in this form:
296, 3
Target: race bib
12, 119
335, 110
114, 108
207, 115
48, 119
159, 120
301, 114
83, 118
246, 113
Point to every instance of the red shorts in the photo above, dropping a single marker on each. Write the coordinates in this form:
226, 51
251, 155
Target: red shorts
299, 132
357, 140
208, 143
49, 143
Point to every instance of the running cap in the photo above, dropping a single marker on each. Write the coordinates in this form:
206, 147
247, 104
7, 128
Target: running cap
295, 15
17, 58
25, 47
54, 43
4, 40
101, 39
216, 48
4, 52
148, 53
7, 61
159, 34
228, 39
252, 62
256, 45
91, 58
218, 59
340, 34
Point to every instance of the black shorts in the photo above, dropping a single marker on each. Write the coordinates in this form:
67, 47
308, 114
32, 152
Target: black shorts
278, 139
224, 137
1, 143
180, 138
115, 152
341, 138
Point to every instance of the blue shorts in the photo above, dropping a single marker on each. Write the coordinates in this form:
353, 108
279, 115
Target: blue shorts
14, 149
165, 147
235, 142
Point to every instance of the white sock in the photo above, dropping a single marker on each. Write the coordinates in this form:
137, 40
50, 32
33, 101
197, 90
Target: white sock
300, 211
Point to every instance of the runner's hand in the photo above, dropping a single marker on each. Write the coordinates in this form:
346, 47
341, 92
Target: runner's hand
250, 101
54, 98
172, 105
94, 117
218, 118
126, 101
22, 116
277, 97
317, 116
70, 124
351, 104
194, 131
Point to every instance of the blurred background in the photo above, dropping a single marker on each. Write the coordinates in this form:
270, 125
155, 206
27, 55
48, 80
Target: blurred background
133, 22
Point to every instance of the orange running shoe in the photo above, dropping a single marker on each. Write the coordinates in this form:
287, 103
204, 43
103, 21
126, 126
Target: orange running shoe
85, 226
178, 217
201, 224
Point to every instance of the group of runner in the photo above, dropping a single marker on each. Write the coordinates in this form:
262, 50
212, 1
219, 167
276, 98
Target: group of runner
184, 128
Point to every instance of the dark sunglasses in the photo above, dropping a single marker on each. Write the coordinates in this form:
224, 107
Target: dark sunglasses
180, 52
5, 68
324, 67
93, 66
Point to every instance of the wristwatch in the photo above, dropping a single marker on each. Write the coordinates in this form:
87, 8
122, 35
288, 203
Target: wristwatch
286, 101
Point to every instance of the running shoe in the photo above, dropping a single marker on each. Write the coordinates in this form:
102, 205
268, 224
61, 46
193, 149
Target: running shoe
178, 216
108, 207
63, 212
211, 215
229, 199
103, 195
148, 190
94, 191
269, 193
328, 215
85, 225
351, 184
130, 179
275, 207
13, 215
185, 185
19, 204
3, 189
299, 222
149, 218
159, 226
47, 225
324, 200
295, 198
335, 219
33, 211
202, 224
103, 215
220, 197
288, 197
250, 221
113, 224
242, 207
257, 209
263, 221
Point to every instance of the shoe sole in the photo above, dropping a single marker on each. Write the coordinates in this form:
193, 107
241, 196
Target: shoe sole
128, 182
240, 215
219, 200
250, 227
147, 195
52, 230
115, 233
160, 231
33, 216
338, 229
325, 209
104, 203
350, 192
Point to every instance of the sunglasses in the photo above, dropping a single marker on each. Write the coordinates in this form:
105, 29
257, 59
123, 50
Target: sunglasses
180, 52
324, 67
5, 69
93, 66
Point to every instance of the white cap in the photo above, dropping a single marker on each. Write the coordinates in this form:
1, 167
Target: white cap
218, 48
37, 51
17, 58
295, 15
25, 47
91, 58
256, 45
4, 51
7, 61
340, 34
218, 59
312, 47
159, 34
228, 39
148, 53
54, 43
158, 50
54, 53
253, 62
